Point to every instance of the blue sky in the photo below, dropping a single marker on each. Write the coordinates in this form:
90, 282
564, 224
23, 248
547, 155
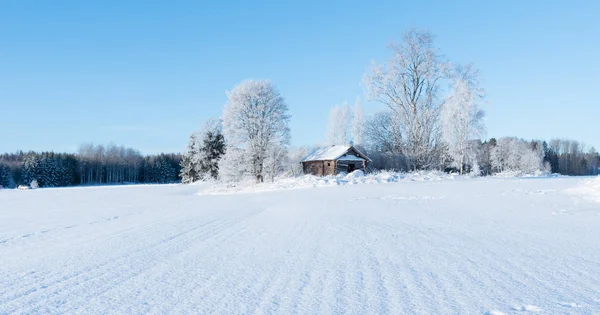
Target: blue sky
147, 73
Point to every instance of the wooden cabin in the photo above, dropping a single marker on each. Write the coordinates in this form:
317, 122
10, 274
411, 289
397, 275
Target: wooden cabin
333, 160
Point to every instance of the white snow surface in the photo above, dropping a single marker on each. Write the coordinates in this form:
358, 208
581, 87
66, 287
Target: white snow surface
307, 181
444, 246
589, 189
352, 158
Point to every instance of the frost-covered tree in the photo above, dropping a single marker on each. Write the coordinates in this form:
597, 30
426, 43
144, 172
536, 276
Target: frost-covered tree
211, 149
255, 123
203, 153
295, 157
462, 117
409, 85
234, 164
383, 141
276, 162
517, 155
338, 129
189, 161
358, 125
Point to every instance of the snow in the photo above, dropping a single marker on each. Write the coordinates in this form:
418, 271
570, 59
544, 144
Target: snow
590, 189
351, 157
329, 153
438, 245
308, 181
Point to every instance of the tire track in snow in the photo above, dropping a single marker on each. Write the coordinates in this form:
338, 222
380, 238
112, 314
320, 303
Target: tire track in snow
109, 274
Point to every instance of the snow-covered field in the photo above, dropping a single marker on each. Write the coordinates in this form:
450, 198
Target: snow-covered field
469, 246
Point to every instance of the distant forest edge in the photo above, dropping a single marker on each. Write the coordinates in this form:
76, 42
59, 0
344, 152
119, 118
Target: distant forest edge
92, 165
114, 165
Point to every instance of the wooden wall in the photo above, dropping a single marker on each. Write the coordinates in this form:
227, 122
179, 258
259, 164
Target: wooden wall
319, 168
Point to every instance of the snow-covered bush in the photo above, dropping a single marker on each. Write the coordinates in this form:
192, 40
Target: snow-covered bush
34, 184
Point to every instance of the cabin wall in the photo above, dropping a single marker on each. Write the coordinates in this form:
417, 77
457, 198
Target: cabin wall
319, 168
329, 167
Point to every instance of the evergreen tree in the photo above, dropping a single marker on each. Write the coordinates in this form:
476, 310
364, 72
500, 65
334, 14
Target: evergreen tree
6, 177
211, 151
189, 162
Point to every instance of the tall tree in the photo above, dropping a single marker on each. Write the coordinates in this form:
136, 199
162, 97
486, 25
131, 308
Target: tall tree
211, 150
6, 176
338, 129
189, 161
462, 117
358, 125
384, 141
409, 85
255, 121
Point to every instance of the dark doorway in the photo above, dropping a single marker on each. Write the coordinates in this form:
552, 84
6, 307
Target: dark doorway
351, 168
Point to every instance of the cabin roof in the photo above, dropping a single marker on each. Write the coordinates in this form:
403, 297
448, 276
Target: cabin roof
335, 152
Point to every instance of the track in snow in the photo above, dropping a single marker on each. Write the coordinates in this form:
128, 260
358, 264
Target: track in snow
465, 246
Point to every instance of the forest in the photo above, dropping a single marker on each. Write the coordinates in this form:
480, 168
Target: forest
91, 165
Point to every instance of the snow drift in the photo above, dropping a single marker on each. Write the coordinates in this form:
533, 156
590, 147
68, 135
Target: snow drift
589, 189
308, 181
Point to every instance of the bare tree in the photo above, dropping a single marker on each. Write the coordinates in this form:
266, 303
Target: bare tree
409, 85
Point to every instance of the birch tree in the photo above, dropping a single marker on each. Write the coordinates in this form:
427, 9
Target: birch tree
358, 125
338, 129
384, 141
409, 86
255, 121
462, 117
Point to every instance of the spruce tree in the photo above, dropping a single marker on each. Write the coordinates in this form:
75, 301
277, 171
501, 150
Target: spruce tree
6, 177
213, 148
189, 161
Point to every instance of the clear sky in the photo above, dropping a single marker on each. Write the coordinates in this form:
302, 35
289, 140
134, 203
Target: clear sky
147, 73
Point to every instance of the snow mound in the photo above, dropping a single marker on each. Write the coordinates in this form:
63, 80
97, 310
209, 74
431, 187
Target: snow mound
590, 189
309, 181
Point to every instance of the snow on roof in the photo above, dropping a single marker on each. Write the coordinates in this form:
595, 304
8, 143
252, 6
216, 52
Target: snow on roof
351, 157
332, 153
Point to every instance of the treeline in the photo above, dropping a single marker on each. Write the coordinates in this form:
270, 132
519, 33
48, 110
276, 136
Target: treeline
508, 154
570, 157
558, 156
92, 165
